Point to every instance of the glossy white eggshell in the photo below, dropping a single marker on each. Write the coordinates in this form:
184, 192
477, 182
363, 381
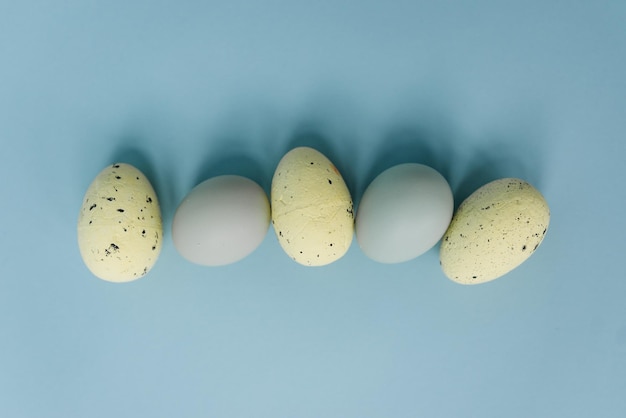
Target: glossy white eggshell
119, 225
403, 213
494, 230
312, 211
221, 221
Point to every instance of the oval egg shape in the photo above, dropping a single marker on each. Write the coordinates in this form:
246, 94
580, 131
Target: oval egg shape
312, 210
403, 213
119, 225
221, 221
494, 230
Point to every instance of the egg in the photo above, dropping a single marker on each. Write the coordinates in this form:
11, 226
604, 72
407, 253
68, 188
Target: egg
494, 230
119, 225
312, 210
221, 221
403, 213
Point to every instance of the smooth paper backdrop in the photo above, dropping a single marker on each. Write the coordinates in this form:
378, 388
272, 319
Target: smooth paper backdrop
190, 89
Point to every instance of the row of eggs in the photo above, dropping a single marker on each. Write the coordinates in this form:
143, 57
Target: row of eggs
403, 213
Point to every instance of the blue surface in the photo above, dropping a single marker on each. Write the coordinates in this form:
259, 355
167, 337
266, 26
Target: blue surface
189, 89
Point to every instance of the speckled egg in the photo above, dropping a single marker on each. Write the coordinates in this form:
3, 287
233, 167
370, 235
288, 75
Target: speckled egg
119, 225
312, 210
221, 221
494, 230
403, 213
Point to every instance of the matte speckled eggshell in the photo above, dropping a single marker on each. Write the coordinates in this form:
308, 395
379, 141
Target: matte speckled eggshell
312, 210
221, 221
119, 225
494, 230
403, 213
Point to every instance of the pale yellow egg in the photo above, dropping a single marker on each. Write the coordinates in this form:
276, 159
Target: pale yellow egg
120, 229
494, 230
312, 210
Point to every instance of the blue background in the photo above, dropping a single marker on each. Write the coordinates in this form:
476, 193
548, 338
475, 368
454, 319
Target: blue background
189, 89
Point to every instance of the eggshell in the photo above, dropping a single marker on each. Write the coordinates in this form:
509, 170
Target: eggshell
403, 213
494, 230
312, 210
221, 221
119, 225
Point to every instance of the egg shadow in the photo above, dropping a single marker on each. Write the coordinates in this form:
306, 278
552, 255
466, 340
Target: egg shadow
230, 159
310, 135
128, 152
494, 161
411, 145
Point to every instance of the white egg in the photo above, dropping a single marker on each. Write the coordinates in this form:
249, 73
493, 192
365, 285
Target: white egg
221, 221
403, 213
